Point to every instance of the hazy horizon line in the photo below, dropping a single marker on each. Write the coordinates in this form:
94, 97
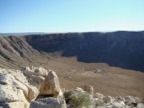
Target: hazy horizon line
105, 31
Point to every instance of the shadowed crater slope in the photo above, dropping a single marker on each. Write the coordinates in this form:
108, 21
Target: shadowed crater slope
120, 49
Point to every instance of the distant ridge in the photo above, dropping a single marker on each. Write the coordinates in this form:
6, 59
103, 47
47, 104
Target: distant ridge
23, 33
33, 33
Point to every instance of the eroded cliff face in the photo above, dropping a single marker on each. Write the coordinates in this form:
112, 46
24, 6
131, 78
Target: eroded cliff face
120, 49
15, 52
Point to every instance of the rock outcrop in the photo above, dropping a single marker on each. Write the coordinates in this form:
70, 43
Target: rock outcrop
49, 103
78, 98
20, 87
37, 87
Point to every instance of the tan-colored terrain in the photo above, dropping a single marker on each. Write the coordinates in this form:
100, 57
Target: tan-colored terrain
109, 81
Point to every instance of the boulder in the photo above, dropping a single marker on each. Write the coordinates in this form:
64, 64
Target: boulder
108, 99
119, 98
129, 100
12, 90
14, 105
24, 86
120, 104
89, 89
99, 103
99, 96
51, 85
49, 103
140, 105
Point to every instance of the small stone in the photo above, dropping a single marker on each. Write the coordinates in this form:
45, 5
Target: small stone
129, 100
108, 99
89, 89
99, 96
140, 105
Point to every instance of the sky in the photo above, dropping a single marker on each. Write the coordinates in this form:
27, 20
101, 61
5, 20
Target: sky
53, 16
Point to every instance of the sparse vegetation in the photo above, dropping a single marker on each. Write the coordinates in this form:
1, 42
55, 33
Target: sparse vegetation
77, 100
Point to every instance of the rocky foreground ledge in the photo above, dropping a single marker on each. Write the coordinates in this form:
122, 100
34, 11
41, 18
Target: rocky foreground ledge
37, 87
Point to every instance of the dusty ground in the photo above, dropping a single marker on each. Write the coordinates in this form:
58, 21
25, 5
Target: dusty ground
112, 81
105, 79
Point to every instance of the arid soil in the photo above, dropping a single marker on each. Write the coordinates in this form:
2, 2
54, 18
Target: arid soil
105, 79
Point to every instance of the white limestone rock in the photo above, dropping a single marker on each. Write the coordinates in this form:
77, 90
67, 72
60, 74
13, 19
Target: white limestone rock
140, 105
49, 103
120, 104
108, 99
99, 96
130, 99
51, 85
89, 89
24, 86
